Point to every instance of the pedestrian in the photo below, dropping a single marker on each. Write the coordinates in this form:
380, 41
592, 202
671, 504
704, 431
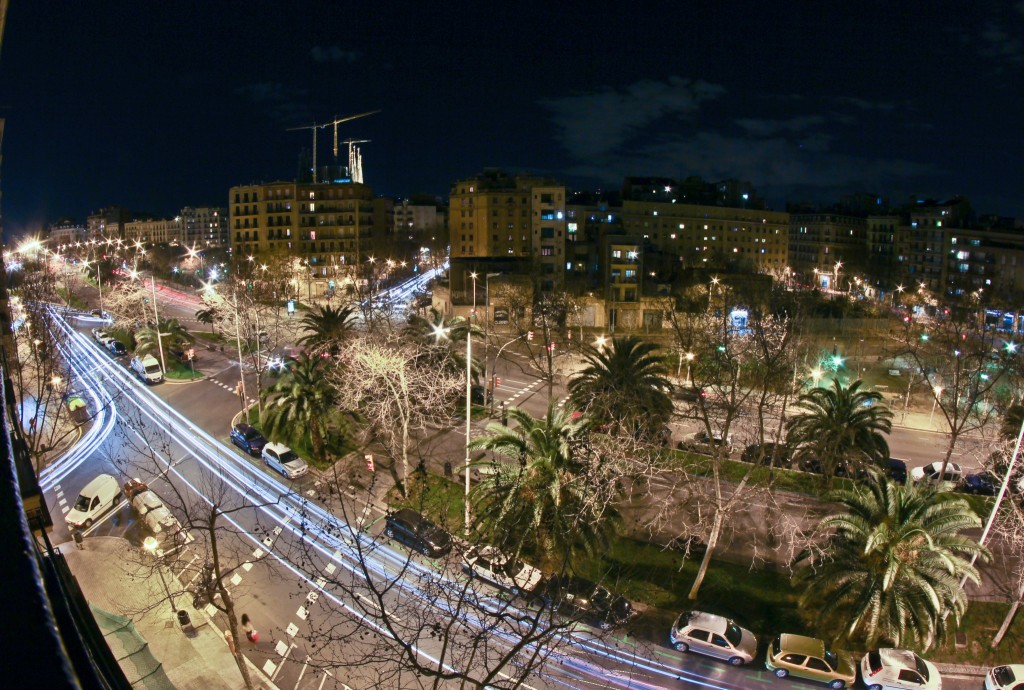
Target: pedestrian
504, 414
250, 632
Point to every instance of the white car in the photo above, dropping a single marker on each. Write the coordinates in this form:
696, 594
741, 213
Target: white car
932, 472
284, 460
151, 510
489, 563
898, 669
1005, 678
706, 633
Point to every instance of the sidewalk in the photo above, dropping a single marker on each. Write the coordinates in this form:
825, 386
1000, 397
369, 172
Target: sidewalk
194, 660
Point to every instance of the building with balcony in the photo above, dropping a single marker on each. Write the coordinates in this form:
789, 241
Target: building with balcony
827, 249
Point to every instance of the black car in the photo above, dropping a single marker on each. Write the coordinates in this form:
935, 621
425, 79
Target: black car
896, 470
689, 393
117, 348
575, 596
981, 483
248, 439
770, 454
415, 531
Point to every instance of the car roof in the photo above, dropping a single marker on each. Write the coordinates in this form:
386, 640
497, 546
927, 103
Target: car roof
801, 644
409, 515
709, 621
901, 658
278, 448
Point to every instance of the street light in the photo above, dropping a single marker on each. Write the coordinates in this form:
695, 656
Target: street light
208, 287
816, 374
711, 290
689, 358
150, 545
469, 392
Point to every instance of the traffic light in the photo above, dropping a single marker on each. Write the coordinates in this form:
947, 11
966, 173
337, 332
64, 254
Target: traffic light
497, 381
551, 347
369, 463
529, 336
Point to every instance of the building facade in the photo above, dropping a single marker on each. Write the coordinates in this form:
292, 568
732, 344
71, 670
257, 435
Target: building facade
827, 249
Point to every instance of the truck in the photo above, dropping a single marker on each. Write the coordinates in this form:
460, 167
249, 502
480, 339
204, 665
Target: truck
147, 368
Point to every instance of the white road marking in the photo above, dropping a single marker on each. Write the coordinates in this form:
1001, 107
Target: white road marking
269, 668
236, 579
302, 613
330, 568
258, 554
247, 566
291, 630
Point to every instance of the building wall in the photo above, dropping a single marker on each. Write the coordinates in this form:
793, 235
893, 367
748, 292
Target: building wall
204, 227
549, 236
697, 234
818, 242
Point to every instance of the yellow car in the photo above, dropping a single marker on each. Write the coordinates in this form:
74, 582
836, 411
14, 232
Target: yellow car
806, 657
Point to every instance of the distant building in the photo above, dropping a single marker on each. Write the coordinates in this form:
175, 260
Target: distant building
827, 249
153, 231
333, 229
66, 232
420, 229
108, 223
204, 227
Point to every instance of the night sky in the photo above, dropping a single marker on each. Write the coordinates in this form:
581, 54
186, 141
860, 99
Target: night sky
159, 105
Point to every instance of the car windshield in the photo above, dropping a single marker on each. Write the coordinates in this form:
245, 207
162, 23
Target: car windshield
155, 369
832, 659
733, 634
288, 457
512, 568
251, 434
1003, 675
82, 504
922, 668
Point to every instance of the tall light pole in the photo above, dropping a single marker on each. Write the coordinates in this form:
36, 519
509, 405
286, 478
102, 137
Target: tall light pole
469, 392
238, 341
711, 290
156, 323
938, 391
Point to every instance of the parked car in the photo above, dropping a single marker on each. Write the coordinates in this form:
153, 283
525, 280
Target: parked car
248, 439
769, 454
156, 516
416, 531
587, 600
689, 393
932, 471
812, 464
1005, 678
100, 335
147, 368
898, 669
981, 483
807, 657
117, 348
713, 635
283, 459
99, 495
896, 470
501, 570
100, 314
700, 442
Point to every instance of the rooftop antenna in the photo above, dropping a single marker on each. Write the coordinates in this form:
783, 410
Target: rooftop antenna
315, 126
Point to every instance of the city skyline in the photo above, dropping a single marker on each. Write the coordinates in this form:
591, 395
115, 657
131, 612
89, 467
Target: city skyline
156, 107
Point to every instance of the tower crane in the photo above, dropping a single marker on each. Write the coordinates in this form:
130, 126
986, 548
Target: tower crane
320, 125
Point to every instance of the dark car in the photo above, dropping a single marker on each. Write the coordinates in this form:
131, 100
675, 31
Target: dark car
248, 439
689, 393
896, 470
417, 532
591, 602
770, 454
117, 348
981, 483
813, 465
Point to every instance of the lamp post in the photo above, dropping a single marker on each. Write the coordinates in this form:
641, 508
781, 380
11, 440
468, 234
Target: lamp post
150, 545
711, 290
816, 374
156, 323
238, 341
469, 394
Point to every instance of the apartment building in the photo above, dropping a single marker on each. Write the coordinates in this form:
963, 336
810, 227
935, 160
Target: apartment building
204, 227
826, 249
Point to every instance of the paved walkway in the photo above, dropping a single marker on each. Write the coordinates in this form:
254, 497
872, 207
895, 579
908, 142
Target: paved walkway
114, 580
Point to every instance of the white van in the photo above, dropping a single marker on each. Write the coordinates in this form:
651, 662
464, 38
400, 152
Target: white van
148, 369
98, 496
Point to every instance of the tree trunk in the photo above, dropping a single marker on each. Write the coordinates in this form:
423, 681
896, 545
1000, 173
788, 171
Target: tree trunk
716, 528
1009, 618
229, 604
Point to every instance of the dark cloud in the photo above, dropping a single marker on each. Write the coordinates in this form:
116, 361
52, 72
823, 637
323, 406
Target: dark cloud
594, 124
767, 128
333, 54
609, 138
281, 103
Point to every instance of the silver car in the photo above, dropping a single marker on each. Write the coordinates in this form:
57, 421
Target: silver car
717, 636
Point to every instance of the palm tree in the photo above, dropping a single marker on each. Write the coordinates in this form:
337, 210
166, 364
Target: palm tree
207, 316
624, 385
891, 566
547, 501
841, 423
301, 400
327, 328
444, 340
173, 336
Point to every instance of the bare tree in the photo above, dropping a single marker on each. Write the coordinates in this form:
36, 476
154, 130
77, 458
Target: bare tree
960, 360
401, 392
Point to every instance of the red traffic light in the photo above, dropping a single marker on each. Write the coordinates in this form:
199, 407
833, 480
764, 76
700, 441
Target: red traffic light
497, 381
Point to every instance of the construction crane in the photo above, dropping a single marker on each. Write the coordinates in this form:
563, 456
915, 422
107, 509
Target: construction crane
355, 157
315, 126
